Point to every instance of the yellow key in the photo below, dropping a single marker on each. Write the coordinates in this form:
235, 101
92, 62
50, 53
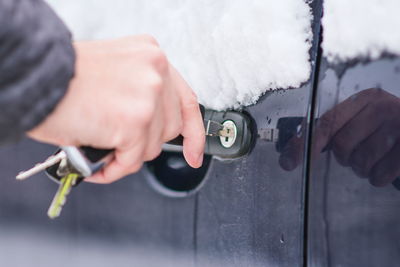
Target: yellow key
60, 198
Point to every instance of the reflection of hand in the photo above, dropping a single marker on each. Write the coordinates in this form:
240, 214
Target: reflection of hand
125, 95
362, 132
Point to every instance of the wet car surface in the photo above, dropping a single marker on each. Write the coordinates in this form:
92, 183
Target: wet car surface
320, 197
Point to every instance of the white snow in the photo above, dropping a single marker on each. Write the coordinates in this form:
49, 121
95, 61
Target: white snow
360, 28
229, 51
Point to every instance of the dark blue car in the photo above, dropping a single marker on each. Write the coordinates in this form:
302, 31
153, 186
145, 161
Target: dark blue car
322, 193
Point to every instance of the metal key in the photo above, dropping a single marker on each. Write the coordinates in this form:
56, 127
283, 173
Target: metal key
42, 166
60, 198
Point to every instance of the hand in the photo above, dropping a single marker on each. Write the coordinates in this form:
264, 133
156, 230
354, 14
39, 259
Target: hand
363, 132
125, 95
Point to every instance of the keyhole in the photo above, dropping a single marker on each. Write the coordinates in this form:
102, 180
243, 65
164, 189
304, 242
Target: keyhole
228, 141
227, 138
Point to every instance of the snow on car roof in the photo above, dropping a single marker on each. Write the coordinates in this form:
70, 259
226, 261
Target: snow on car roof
229, 51
360, 28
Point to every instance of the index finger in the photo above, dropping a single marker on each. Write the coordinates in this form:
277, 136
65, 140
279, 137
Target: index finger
193, 127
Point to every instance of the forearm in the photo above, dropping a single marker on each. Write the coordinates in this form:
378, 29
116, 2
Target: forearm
36, 65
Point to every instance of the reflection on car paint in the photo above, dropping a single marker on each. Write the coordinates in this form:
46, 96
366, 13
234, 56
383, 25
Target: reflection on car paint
363, 132
350, 222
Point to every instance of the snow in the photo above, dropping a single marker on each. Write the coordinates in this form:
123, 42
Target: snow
360, 28
229, 51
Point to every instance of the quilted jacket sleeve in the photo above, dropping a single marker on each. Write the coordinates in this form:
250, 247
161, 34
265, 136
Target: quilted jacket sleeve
36, 65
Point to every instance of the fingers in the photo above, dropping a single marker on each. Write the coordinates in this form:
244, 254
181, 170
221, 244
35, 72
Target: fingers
125, 162
192, 123
172, 112
155, 135
129, 157
128, 161
164, 106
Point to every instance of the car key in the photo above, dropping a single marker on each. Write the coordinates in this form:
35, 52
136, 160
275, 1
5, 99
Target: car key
230, 135
54, 159
87, 160
60, 197
70, 165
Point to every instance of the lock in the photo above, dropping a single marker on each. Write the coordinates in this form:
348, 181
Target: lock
237, 144
170, 175
234, 145
228, 141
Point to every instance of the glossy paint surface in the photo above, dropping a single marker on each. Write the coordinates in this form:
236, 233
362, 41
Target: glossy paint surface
249, 212
353, 206
328, 202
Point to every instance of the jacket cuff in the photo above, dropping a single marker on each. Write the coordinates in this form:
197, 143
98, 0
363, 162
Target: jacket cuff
54, 85
37, 62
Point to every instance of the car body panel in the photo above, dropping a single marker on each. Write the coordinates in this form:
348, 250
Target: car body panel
351, 222
251, 211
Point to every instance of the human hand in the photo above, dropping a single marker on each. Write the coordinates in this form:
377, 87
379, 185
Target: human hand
363, 132
125, 96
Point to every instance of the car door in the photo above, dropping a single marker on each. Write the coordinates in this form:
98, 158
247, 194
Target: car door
244, 212
352, 203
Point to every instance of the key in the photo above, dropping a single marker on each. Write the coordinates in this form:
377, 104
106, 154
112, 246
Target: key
214, 128
60, 197
42, 166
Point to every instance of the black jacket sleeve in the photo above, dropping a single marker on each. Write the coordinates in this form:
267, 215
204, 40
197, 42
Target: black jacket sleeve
36, 65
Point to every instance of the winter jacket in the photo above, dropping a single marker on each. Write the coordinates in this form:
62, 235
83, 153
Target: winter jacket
36, 65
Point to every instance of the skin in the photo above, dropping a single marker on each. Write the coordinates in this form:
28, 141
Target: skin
126, 96
363, 132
